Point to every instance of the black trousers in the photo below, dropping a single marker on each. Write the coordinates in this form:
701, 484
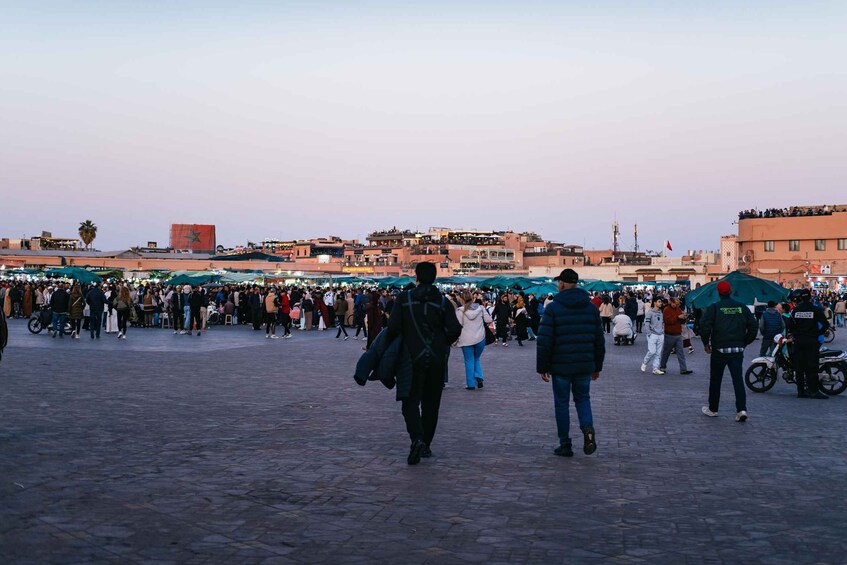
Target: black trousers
196, 319
256, 318
341, 328
420, 410
806, 367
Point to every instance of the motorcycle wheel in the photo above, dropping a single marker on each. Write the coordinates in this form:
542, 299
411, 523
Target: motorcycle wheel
829, 335
34, 325
832, 379
759, 378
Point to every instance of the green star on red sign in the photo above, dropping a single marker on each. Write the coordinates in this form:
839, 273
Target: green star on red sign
193, 236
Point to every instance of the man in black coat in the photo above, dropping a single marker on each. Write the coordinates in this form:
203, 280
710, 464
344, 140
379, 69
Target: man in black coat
60, 303
96, 301
196, 302
428, 325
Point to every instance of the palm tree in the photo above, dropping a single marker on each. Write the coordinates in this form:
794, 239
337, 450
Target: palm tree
87, 232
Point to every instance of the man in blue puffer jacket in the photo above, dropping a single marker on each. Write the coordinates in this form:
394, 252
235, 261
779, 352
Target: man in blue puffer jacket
571, 349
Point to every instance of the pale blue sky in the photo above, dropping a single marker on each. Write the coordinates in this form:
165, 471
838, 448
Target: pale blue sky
301, 119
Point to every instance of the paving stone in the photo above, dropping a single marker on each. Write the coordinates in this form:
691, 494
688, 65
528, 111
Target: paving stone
233, 448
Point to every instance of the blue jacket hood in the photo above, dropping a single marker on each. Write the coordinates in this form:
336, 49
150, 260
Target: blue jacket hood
573, 298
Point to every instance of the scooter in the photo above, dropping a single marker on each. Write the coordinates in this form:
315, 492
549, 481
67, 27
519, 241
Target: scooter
44, 319
763, 372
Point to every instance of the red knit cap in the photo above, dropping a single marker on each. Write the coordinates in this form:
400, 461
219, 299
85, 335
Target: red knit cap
724, 288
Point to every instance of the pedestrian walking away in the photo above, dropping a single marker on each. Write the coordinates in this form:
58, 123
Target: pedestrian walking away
428, 328
727, 328
570, 352
472, 317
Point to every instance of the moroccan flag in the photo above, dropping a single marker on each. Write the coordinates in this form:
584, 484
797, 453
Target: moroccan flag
668, 245
193, 237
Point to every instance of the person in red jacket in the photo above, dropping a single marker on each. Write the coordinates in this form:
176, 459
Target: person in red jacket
674, 319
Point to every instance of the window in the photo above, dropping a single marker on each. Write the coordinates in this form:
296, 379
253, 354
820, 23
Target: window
820, 245
842, 244
794, 245
769, 245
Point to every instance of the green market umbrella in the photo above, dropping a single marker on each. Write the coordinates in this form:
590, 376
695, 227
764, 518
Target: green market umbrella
75, 273
746, 289
601, 286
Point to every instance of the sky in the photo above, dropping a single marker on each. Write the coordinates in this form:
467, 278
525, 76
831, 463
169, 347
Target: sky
314, 118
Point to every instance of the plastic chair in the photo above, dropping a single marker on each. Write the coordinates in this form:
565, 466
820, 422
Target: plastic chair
228, 320
166, 320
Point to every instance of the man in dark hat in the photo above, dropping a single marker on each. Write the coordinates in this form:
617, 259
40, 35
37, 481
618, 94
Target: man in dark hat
807, 324
727, 328
571, 349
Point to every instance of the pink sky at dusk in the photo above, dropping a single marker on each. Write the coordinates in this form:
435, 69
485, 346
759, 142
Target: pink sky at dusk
292, 120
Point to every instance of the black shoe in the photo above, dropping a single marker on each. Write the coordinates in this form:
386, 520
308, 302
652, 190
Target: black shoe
427, 452
415, 452
469, 388
802, 395
564, 451
479, 383
665, 369
686, 372
819, 396
590, 445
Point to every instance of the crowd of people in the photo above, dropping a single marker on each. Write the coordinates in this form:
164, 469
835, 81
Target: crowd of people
570, 351
793, 211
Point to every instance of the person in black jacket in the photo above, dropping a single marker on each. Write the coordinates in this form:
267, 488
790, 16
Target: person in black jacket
571, 349
195, 303
428, 326
96, 301
502, 315
60, 303
727, 327
807, 324
178, 305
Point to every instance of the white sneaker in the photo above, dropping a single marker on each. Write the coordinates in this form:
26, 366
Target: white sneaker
120, 335
658, 372
709, 413
741, 416
267, 336
175, 332
643, 367
287, 336
181, 332
274, 336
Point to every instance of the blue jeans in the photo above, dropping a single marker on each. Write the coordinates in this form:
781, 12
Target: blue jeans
562, 388
839, 320
473, 368
186, 310
95, 322
59, 321
717, 364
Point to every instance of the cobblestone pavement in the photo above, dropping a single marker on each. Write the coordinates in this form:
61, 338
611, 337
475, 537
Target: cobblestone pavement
237, 449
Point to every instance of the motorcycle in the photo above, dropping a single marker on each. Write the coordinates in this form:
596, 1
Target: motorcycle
44, 319
763, 372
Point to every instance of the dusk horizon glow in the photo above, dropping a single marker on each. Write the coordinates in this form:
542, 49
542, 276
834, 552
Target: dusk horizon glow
290, 120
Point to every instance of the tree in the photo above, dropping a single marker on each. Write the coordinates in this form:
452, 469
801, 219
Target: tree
87, 232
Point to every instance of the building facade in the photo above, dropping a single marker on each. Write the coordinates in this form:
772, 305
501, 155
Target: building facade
809, 246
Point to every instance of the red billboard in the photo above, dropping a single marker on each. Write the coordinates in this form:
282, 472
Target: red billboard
193, 237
